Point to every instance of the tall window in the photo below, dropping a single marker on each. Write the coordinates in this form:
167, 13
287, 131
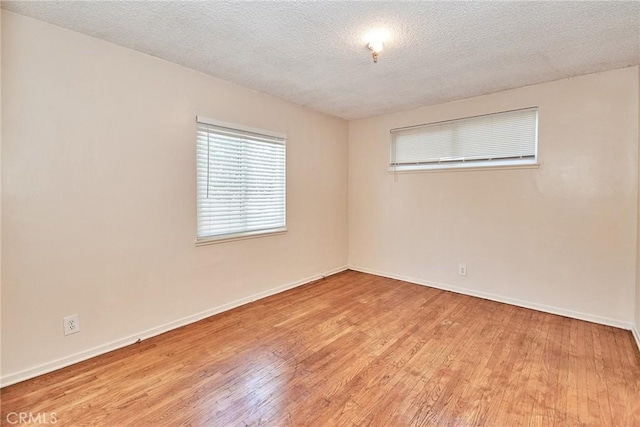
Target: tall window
502, 139
241, 185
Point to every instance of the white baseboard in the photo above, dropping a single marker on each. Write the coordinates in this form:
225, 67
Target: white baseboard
123, 342
636, 334
507, 300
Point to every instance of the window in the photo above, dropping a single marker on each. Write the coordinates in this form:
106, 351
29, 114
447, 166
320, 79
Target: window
241, 185
501, 139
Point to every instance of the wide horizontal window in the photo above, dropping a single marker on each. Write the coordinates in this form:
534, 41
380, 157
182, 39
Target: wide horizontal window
508, 138
241, 184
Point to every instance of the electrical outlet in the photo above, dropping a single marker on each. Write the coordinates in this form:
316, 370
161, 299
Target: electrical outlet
462, 270
71, 324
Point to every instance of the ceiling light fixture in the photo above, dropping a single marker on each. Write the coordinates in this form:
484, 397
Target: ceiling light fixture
375, 40
375, 46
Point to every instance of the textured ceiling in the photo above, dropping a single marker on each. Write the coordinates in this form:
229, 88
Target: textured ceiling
313, 53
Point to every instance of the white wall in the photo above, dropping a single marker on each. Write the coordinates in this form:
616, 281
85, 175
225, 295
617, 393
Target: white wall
561, 237
99, 195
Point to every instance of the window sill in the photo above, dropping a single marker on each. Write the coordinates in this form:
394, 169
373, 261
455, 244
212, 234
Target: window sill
240, 236
463, 168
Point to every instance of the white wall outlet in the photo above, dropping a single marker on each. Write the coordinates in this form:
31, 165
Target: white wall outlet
71, 324
462, 270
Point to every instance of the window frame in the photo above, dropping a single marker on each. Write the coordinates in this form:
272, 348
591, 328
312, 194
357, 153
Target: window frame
465, 165
221, 238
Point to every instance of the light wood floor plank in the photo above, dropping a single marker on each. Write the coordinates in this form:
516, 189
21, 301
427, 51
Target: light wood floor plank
354, 349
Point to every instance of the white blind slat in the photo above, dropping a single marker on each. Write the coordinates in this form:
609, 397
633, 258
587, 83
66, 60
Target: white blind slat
483, 140
241, 184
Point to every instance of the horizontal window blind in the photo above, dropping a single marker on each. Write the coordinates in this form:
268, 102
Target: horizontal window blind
241, 185
507, 138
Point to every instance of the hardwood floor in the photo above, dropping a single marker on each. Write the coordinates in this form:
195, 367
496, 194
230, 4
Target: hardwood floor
353, 349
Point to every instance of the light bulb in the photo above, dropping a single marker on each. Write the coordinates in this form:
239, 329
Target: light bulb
376, 46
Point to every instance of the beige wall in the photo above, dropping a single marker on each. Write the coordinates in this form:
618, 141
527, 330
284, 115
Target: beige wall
637, 325
0, 187
99, 195
556, 238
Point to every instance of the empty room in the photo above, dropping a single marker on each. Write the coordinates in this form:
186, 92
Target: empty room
320, 213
